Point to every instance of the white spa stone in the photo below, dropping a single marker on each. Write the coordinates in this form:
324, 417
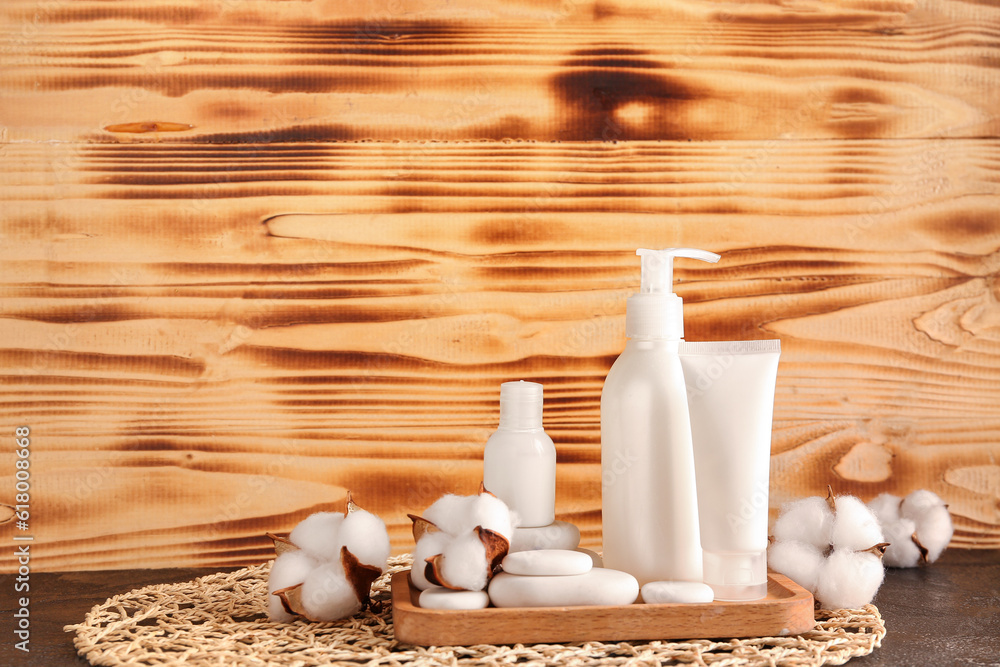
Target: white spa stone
557, 535
593, 555
600, 586
547, 562
687, 592
439, 597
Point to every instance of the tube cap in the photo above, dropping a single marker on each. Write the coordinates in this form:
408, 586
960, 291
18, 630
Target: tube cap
736, 575
521, 405
655, 311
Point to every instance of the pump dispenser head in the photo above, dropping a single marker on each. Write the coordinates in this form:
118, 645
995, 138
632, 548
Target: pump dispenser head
655, 311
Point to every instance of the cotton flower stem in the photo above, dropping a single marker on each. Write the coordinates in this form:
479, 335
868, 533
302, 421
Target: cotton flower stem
350, 505
923, 550
877, 550
830, 500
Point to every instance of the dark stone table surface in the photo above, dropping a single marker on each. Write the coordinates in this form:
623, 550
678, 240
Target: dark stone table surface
947, 613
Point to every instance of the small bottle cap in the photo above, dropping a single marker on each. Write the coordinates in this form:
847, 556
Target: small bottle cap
736, 575
521, 405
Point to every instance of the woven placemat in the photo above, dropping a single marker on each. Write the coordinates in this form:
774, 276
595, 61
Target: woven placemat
221, 619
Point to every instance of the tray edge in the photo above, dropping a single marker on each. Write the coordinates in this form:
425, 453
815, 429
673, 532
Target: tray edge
624, 623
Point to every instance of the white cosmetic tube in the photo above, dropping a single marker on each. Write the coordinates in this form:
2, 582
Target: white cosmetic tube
730, 387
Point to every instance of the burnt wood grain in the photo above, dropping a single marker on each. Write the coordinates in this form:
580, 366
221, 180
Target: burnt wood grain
256, 254
253, 71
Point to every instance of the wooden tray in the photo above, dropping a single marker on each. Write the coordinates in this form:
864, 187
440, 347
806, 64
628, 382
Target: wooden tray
787, 610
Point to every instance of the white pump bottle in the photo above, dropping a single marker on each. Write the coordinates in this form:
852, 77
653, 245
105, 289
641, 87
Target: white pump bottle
649, 503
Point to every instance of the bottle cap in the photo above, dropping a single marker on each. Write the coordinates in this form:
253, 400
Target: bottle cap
520, 405
655, 311
736, 575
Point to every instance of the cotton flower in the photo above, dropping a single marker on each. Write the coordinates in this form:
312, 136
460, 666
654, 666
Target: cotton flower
460, 541
849, 579
451, 513
902, 550
456, 515
932, 520
831, 547
462, 563
327, 595
886, 507
799, 561
325, 567
808, 520
289, 569
918, 527
428, 546
318, 534
364, 534
855, 527
493, 514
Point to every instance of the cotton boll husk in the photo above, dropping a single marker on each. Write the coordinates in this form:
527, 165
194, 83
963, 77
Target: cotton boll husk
318, 535
452, 514
798, 561
327, 595
365, 536
855, 526
902, 551
493, 514
934, 530
849, 579
886, 508
289, 569
431, 544
807, 520
463, 562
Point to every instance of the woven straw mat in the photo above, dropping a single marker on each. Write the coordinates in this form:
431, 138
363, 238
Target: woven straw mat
221, 619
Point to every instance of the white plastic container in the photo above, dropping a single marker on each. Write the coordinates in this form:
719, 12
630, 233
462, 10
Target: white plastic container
731, 399
649, 503
519, 464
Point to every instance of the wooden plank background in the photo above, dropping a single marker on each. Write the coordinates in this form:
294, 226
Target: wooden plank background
256, 253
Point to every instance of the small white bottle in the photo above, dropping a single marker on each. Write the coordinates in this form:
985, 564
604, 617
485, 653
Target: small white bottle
648, 501
519, 464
